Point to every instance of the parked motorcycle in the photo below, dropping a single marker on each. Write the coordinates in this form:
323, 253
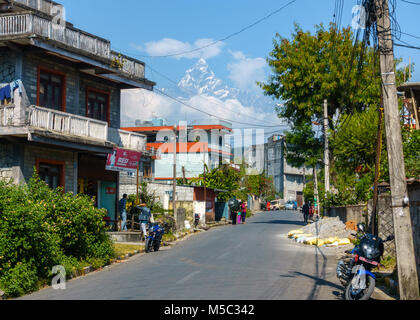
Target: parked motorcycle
154, 239
355, 273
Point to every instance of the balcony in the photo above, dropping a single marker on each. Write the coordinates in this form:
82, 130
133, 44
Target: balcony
70, 126
29, 25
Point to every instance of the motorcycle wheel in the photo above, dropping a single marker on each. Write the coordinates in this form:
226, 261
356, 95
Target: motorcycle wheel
148, 245
364, 294
156, 247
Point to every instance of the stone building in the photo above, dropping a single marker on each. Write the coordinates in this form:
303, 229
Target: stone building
60, 101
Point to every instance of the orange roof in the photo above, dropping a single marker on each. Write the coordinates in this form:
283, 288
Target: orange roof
182, 147
171, 128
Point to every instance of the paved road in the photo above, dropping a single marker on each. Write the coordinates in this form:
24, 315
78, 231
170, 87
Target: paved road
255, 261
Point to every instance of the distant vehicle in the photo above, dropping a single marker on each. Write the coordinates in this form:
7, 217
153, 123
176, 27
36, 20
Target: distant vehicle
291, 205
277, 204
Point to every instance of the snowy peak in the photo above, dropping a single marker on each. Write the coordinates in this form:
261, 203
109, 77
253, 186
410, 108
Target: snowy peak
201, 80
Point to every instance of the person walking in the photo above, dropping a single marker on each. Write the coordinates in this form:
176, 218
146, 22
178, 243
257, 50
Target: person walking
239, 213
234, 208
305, 210
122, 205
243, 209
144, 218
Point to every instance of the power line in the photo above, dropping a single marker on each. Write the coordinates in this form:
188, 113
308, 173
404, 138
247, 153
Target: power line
411, 2
212, 115
406, 46
223, 39
188, 90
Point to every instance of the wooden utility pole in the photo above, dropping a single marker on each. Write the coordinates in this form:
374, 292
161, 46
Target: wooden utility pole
407, 272
374, 215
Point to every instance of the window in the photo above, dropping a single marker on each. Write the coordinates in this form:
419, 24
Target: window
97, 105
51, 89
52, 172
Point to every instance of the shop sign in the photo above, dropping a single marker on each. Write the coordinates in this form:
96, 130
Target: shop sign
123, 160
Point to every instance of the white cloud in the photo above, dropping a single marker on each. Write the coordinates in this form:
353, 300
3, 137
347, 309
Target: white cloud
168, 46
144, 105
244, 72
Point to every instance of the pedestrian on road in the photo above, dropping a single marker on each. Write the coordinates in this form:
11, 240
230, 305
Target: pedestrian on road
243, 209
122, 205
239, 221
305, 210
234, 208
144, 218
311, 211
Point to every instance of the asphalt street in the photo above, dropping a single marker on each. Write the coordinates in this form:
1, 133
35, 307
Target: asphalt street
255, 261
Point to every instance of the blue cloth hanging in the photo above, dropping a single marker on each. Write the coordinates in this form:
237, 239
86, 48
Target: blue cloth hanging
5, 93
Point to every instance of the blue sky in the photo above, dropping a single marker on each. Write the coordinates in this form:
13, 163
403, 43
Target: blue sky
131, 24
140, 28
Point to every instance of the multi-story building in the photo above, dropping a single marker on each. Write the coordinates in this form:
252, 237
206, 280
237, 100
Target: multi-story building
60, 101
270, 158
204, 142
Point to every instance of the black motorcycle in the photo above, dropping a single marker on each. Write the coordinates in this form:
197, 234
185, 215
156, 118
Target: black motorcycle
355, 273
154, 240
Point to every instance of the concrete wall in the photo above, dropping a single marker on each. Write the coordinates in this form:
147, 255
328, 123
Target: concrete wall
350, 213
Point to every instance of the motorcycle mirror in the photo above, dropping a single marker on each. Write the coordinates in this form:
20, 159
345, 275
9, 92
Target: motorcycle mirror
361, 227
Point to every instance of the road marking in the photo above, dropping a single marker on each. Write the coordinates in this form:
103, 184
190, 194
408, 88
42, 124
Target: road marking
185, 279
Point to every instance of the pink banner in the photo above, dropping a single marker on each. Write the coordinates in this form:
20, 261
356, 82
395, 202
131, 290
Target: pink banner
123, 160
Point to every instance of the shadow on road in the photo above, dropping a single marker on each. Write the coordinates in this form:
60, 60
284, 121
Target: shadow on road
299, 223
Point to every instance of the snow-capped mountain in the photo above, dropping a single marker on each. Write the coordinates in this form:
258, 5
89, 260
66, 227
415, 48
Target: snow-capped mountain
200, 80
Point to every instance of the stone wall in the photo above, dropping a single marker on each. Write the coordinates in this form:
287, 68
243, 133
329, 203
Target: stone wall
7, 66
76, 85
6, 161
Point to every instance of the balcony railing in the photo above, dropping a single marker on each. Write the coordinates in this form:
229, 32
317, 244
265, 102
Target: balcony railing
66, 123
73, 125
29, 23
41, 5
6, 115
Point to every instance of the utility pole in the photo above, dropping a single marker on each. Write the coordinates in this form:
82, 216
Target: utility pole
407, 271
374, 215
326, 149
205, 187
174, 178
316, 195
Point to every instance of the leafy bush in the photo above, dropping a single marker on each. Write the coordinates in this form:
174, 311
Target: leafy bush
19, 280
41, 228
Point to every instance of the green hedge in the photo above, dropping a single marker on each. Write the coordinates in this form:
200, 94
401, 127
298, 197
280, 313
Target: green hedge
41, 228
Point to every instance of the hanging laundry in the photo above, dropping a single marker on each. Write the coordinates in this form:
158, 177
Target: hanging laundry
5, 93
17, 84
